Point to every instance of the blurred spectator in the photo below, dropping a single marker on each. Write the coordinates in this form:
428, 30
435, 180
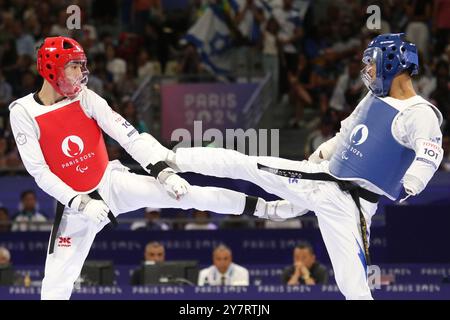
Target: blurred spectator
130, 82
196, 10
146, 66
128, 46
3, 153
319, 136
301, 85
100, 72
305, 270
236, 222
153, 41
117, 66
441, 24
31, 22
271, 51
419, 13
128, 111
28, 84
15, 74
288, 224
5, 223
5, 256
152, 221
5, 93
310, 85
29, 218
145, 10
190, 63
346, 46
223, 272
59, 28
5, 260
349, 89
248, 20
201, 222
424, 83
9, 156
440, 97
154, 252
289, 35
24, 41
8, 56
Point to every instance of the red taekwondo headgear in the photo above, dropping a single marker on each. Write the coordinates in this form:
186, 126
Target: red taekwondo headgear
54, 55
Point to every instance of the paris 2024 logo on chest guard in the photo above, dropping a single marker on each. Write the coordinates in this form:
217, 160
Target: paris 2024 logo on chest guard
357, 137
73, 146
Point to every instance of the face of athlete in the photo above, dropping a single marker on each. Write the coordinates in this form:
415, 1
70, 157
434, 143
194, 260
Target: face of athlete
370, 70
75, 72
369, 75
75, 77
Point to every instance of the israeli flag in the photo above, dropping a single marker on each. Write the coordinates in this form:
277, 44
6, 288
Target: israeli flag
212, 37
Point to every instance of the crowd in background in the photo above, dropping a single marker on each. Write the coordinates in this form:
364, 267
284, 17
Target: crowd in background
314, 58
223, 271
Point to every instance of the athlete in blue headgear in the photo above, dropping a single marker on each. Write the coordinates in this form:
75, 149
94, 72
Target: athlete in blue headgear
392, 141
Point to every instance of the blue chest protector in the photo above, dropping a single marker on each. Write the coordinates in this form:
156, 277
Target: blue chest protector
370, 152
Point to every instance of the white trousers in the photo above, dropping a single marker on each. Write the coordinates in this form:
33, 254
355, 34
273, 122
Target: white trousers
336, 211
123, 192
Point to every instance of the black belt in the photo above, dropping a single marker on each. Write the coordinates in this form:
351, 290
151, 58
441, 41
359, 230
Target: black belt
58, 217
353, 189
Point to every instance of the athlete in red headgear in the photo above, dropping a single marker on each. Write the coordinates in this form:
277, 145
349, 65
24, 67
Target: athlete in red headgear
58, 131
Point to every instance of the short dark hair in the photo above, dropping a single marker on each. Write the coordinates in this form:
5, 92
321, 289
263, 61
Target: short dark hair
154, 244
27, 192
221, 247
305, 245
5, 210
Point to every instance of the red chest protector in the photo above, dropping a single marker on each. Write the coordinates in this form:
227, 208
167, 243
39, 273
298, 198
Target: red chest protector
73, 146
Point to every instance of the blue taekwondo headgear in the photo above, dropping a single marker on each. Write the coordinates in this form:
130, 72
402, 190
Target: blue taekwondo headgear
390, 55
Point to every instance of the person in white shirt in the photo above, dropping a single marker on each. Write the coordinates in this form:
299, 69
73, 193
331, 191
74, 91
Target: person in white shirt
59, 134
271, 50
29, 218
223, 272
201, 222
152, 221
391, 144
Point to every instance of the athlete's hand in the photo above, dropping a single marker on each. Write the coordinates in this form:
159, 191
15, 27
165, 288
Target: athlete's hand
413, 186
175, 186
96, 210
316, 157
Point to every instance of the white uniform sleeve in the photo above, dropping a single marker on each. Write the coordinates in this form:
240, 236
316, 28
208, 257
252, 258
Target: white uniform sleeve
142, 147
25, 133
418, 128
326, 150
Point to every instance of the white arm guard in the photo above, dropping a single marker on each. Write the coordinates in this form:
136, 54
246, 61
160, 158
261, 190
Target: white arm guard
324, 151
145, 149
428, 158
